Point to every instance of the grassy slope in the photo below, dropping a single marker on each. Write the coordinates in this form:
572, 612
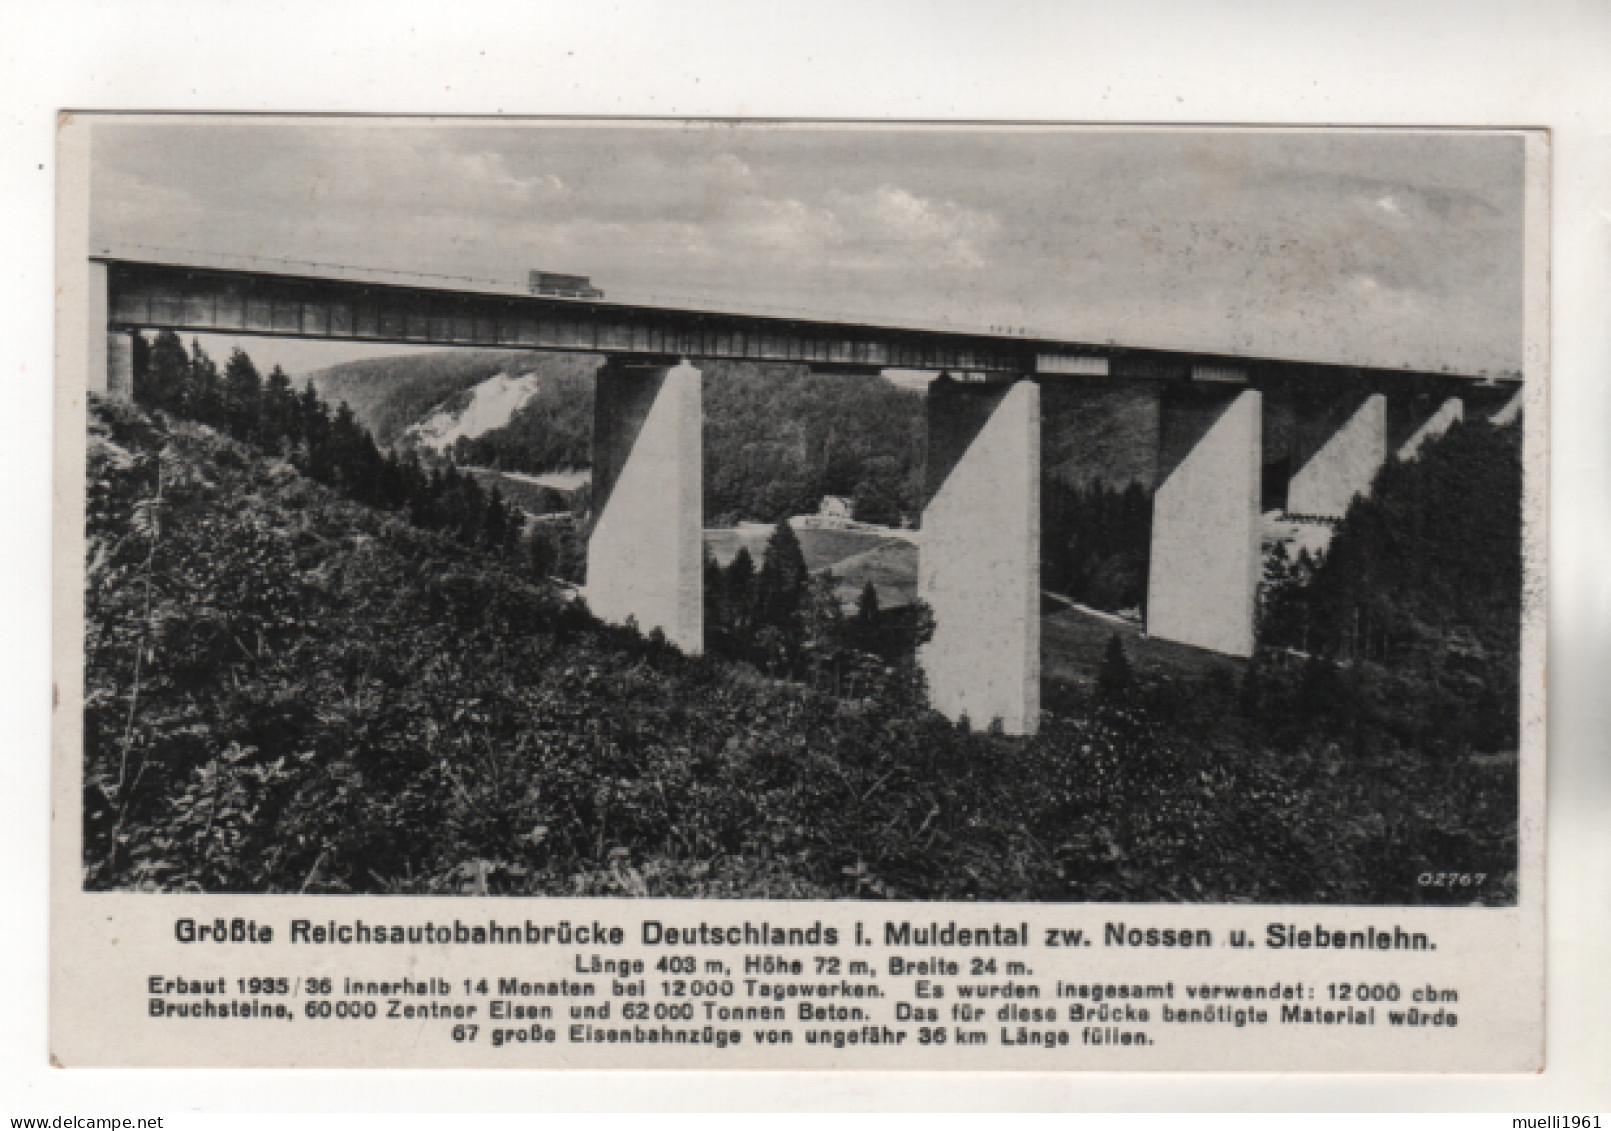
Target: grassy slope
891, 566
854, 556
329, 700
1072, 643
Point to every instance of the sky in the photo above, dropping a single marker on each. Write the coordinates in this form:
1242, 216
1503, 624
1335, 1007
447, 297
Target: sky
1390, 249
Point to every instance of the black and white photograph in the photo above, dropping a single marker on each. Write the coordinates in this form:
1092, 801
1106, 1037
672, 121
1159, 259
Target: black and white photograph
805, 511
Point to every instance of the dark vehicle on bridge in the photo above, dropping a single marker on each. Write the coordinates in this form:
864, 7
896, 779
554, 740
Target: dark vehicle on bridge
561, 286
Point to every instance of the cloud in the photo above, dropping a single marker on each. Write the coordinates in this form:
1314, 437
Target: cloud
938, 232
1306, 244
733, 166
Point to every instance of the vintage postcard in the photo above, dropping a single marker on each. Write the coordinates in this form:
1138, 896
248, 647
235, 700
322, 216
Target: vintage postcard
808, 595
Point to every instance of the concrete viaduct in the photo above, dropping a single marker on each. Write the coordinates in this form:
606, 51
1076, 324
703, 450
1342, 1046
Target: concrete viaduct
980, 550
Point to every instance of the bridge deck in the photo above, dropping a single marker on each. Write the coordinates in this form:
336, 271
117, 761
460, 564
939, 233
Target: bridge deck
359, 307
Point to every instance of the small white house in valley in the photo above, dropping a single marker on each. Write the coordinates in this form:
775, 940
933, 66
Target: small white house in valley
835, 508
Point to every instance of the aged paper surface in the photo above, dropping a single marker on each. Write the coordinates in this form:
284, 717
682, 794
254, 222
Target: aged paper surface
357, 782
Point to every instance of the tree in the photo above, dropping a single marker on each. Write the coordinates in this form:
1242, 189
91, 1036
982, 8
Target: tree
1115, 681
278, 405
1283, 600
865, 630
495, 524
544, 553
716, 615
242, 396
913, 629
867, 604
780, 588
204, 394
514, 528
165, 379
740, 586
730, 603
824, 619
1096, 542
877, 496
312, 428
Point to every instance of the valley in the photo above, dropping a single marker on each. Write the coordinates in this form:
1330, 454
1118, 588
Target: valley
315, 666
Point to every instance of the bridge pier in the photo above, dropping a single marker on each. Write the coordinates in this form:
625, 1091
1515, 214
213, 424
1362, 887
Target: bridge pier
644, 554
1203, 582
979, 566
1343, 440
109, 360
1452, 409
1512, 410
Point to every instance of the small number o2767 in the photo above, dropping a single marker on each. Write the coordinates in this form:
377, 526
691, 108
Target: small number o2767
1451, 879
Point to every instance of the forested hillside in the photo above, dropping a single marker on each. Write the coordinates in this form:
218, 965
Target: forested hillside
1092, 431
1099, 450
777, 437
552, 431
1421, 590
388, 394
328, 445
1096, 543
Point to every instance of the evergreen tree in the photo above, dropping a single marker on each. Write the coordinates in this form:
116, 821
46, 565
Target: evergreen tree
313, 434
867, 605
242, 395
780, 587
277, 407
824, 632
739, 586
865, 629
1115, 681
824, 618
165, 382
495, 524
717, 617
204, 395
140, 367
914, 629
1096, 543
544, 554
514, 528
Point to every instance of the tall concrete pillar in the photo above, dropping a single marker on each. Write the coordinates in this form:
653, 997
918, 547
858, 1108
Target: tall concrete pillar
1451, 410
979, 566
644, 555
1511, 412
1348, 448
120, 365
1203, 581
109, 356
